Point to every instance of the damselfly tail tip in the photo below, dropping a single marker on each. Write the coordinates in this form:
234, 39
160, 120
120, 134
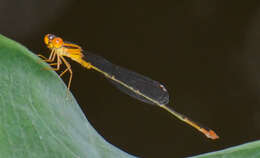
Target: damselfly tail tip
210, 134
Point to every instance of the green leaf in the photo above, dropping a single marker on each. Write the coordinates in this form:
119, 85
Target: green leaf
251, 150
37, 117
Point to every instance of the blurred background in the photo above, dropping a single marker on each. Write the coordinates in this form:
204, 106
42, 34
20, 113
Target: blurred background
205, 52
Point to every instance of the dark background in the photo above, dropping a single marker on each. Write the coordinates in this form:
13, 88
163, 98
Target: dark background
205, 52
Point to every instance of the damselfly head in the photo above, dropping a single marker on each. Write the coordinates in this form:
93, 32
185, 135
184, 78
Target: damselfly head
53, 41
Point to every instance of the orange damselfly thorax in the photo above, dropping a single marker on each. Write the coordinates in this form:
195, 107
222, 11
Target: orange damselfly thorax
52, 41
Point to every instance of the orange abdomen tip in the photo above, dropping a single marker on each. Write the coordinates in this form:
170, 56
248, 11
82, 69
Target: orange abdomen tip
210, 134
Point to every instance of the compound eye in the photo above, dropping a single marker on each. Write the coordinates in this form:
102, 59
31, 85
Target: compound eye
48, 38
51, 37
57, 42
